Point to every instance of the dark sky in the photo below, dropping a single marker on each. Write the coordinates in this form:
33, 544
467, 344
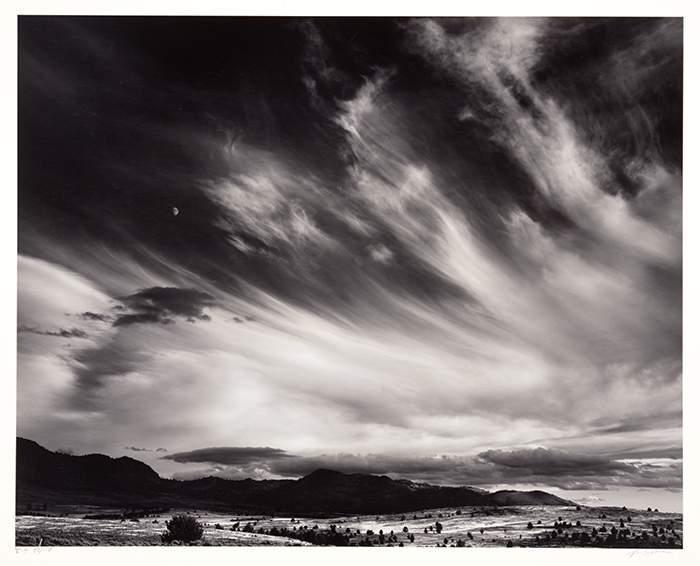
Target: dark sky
438, 236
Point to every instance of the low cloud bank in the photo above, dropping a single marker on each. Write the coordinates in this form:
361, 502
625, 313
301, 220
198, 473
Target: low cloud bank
535, 466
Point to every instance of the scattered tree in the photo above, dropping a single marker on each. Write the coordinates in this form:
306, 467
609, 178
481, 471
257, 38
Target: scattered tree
184, 528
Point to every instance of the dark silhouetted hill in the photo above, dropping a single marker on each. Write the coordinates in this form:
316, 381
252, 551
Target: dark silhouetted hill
99, 480
329, 491
39, 467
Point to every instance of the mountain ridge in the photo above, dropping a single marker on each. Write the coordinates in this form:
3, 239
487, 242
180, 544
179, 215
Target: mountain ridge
100, 480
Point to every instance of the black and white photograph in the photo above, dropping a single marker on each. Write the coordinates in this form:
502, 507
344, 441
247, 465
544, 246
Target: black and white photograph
350, 281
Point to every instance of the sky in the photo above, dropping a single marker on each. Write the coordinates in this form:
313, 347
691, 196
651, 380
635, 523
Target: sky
446, 250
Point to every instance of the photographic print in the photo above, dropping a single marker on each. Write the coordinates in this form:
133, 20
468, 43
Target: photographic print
349, 281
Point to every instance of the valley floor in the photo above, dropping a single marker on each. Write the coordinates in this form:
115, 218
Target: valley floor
521, 526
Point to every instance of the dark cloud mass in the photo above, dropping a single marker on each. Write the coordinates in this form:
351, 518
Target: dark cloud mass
458, 235
142, 318
540, 461
229, 456
159, 304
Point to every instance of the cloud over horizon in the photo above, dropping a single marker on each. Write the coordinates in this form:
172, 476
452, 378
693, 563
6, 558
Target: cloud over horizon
529, 466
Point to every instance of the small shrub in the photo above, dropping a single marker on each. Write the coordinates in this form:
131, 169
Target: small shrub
183, 528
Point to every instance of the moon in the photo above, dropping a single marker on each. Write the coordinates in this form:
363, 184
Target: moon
175, 211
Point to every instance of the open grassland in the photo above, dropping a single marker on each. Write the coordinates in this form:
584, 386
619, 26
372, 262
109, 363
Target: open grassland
74, 531
522, 526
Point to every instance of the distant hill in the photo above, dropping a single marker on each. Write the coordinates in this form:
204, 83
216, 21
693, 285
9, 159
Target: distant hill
510, 497
99, 480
